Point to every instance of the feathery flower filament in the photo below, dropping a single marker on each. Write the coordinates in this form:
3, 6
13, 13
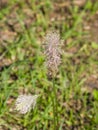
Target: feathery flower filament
24, 103
52, 52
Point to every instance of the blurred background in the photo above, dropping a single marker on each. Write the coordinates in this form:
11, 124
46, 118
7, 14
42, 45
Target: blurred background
23, 25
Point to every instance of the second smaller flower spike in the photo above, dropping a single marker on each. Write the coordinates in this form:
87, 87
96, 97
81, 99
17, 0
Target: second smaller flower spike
24, 103
52, 52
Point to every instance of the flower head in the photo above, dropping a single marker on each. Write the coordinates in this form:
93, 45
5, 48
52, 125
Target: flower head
52, 52
24, 103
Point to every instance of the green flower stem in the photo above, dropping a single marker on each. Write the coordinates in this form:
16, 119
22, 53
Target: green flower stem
54, 114
55, 103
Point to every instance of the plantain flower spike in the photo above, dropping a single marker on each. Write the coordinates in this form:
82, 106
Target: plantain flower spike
24, 103
52, 52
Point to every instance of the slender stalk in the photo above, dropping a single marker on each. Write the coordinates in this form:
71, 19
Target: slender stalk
54, 114
55, 102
